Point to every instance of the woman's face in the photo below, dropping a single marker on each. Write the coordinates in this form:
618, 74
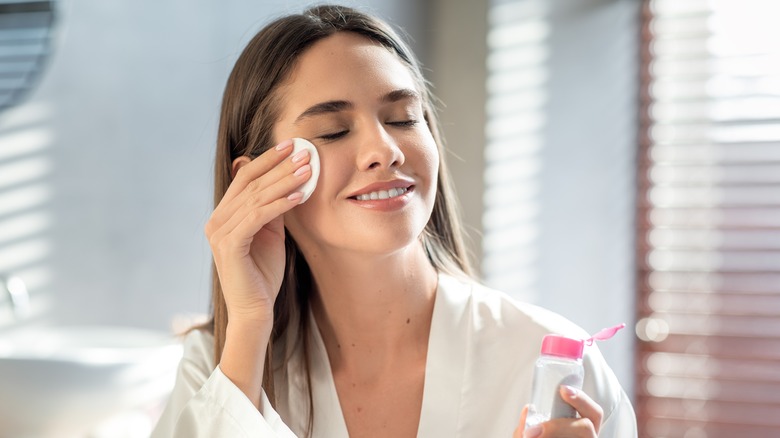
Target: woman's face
360, 106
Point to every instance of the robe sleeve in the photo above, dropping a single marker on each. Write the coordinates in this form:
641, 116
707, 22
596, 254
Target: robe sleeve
205, 403
621, 422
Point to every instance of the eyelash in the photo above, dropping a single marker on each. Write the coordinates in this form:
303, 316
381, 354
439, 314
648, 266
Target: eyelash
334, 136
405, 123
401, 124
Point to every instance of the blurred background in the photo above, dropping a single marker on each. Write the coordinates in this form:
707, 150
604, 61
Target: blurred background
616, 161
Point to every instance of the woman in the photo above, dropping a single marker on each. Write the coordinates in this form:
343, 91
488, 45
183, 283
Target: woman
353, 315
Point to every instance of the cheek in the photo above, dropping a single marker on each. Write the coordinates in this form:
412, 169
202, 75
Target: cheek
428, 157
300, 221
433, 160
334, 175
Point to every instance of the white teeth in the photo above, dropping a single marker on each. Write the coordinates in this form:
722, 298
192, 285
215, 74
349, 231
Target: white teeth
382, 194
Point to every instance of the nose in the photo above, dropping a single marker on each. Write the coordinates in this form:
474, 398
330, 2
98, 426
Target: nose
379, 150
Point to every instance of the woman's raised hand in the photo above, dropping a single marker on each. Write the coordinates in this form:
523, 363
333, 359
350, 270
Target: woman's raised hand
246, 235
587, 426
246, 230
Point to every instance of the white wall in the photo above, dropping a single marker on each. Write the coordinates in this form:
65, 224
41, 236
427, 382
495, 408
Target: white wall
108, 164
580, 259
587, 255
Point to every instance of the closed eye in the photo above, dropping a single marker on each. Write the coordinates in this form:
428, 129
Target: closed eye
334, 136
403, 123
400, 123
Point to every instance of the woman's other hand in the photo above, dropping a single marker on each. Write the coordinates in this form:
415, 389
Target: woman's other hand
587, 426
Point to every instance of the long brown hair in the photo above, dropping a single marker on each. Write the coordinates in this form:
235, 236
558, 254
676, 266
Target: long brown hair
249, 110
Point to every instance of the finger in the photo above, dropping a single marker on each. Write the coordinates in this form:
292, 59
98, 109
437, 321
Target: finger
277, 182
248, 203
568, 428
278, 172
257, 219
258, 167
230, 242
585, 405
521, 425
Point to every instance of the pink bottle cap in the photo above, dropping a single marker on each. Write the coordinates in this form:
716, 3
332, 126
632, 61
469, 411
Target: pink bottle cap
561, 346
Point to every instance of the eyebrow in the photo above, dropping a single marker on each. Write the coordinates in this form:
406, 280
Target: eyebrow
400, 94
334, 106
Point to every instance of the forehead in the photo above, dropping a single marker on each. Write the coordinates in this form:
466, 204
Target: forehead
344, 66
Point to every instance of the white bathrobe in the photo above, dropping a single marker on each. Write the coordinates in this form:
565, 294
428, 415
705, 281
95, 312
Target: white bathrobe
481, 355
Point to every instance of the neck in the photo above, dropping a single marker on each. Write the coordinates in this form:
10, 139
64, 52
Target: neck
373, 310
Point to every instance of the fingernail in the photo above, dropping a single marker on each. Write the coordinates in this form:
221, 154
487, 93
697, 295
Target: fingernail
533, 432
300, 156
570, 390
303, 169
295, 197
283, 145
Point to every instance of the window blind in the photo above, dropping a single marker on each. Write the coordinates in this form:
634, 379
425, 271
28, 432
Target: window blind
517, 96
708, 362
24, 45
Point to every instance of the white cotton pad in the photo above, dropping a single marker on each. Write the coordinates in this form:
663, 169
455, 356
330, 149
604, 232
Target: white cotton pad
307, 188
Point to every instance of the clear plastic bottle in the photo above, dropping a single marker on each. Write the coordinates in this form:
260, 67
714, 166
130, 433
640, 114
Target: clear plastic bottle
559, 364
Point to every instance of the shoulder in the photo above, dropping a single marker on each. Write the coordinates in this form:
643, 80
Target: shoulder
494, 309
495, 325
505, 336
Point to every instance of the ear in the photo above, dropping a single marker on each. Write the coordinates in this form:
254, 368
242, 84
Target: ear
239, 163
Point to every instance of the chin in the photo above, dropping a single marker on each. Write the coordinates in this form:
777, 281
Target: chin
389, 241
360, 234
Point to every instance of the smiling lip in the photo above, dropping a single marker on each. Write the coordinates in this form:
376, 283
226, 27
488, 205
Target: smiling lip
383, 186
399, 194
